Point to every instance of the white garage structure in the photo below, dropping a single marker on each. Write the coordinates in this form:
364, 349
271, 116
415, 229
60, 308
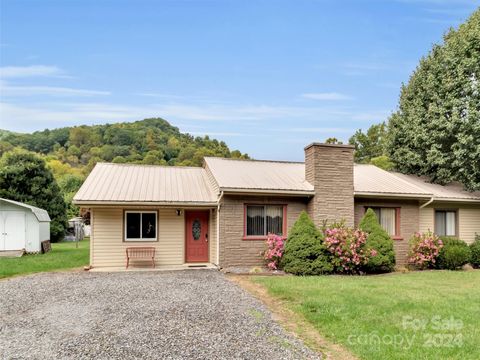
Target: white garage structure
22, 226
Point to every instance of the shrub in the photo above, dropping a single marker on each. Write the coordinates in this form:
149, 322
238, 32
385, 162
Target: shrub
475, 252
305, 253
348, 250
274, 252
424, 249
454, 254
378, 240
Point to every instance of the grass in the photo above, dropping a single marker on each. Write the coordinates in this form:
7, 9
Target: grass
63, 256
418, 315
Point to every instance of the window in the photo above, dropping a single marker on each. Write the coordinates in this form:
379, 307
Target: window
388, 219
445, 222
263, 219
140, 226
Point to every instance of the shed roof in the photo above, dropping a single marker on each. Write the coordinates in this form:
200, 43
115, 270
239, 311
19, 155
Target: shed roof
40, 214
146, 184
244, 175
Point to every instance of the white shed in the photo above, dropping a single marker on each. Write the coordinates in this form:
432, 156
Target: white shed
22, 226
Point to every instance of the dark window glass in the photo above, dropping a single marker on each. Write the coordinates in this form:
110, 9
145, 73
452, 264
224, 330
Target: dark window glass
274, 215
445, 223
196, 229
264, 219
133, 225
149, 225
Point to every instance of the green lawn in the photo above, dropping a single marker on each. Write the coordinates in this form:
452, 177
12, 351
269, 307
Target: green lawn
418, 315
64, 255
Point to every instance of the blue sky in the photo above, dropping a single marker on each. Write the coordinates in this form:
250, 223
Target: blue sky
268, 77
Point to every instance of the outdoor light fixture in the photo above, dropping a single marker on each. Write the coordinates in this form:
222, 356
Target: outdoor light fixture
179, 212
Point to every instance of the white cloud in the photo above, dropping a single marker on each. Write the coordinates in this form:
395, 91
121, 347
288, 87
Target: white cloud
328, 96
233, 119
7, 90
30, 71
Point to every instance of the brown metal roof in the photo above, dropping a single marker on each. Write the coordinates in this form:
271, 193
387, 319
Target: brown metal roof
112, 183
255, 175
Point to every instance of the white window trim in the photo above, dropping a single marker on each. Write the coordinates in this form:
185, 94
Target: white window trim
154, 239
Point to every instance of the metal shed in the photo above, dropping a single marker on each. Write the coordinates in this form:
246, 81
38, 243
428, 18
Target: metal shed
22, 226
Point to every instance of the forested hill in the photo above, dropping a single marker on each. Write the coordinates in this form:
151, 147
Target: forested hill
149, 141
70, 153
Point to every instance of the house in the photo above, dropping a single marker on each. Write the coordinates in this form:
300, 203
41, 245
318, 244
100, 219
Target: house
220, 214
22, 227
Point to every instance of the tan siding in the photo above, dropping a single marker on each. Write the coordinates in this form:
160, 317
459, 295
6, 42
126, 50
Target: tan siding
234, 251
212, 236
107, 246
468, 219
426, 219
409, 222
469, 223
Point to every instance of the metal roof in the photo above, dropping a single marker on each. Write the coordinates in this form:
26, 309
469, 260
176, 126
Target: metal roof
40, 214
453, 191
169, 185
371, 180
258, 175
145, 184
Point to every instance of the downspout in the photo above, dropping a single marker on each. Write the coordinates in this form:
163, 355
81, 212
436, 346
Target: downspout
218, 229
427, 203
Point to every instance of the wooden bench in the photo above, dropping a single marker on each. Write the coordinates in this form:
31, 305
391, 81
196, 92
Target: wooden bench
145, 252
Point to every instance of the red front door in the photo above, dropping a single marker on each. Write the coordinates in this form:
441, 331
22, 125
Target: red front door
196, 243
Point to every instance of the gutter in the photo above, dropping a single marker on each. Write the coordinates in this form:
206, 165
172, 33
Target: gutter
101, 203
241, 191
427, 203
218, 229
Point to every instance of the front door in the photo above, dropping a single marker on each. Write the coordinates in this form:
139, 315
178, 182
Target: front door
196, 242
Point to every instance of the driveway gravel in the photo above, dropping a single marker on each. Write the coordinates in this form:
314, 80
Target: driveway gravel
191, 314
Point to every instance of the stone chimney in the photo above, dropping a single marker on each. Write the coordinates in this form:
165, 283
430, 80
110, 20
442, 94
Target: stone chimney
329, 168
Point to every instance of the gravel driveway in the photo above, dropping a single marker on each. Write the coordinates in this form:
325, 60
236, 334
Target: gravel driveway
192, 314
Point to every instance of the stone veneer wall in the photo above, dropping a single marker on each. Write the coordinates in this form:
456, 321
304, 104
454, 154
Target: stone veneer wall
409, 221
329, 168
234, 250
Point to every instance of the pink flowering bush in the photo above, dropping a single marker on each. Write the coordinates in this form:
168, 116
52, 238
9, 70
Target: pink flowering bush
348, 249
424, 249
274, 252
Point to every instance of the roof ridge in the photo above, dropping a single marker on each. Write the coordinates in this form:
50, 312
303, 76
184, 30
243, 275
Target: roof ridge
150, 165
256, 160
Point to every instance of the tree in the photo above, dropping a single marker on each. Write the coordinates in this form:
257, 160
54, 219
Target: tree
24, 177
305, 253
436, 130
69, 185
332, 140
378, 240
383, 162
370, 144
